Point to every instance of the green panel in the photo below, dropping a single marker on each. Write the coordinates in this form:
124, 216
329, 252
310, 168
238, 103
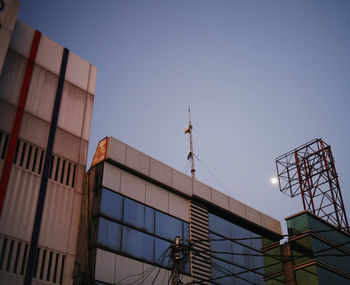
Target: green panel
298, 224
272, 261
307, 276
268, 242
301, 250
280, 280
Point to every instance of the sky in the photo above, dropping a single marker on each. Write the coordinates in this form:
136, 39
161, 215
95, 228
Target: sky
261, 78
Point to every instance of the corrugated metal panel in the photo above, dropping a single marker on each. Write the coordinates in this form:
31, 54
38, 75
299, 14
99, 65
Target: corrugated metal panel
200, 256
20, 203
49, 264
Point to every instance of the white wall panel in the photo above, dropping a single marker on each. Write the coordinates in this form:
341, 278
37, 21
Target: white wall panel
105, 266
126, 267
111, 177
41, 93
20, 203
7, 116
160, 171
71, 112
34, 130
49, 55
74, 226
137, 160
181, 182
116, 150
133, 186
158, 276
157, 197
77, 71
66, 145
83, 152
237, 207
5, 36
87, 116
22, 38
178, 207
220, 199
9, 14
202, 190
12, 77
68, 270
57, 216
92, 79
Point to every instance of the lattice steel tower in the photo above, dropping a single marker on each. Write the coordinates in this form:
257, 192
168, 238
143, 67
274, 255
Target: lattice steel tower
309, 171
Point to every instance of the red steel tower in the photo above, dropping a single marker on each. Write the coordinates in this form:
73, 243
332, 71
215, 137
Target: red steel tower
309, 171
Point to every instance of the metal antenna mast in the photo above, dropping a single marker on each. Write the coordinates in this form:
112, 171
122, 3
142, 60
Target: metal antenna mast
189, 131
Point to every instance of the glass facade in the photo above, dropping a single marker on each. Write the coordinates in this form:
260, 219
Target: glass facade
136, 230
235, 253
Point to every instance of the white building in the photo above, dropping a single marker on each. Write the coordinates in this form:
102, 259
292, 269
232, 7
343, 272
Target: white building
46, 100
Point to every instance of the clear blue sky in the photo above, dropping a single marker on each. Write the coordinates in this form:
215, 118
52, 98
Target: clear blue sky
261, 77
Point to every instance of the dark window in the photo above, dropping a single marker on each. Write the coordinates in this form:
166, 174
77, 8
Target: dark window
63, 170
137, 230
34, 159
138, 215
168, 227
109, 234
41, 162
236, 250
68, 173
5, 147
29, 157
111, 205
138, 244
162, 253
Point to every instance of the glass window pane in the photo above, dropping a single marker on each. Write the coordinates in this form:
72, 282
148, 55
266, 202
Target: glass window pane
111, 204
186, 227
138, 215
218, 245
162, 253
109, 234
219, 225
221, 272
168, 227
138, 244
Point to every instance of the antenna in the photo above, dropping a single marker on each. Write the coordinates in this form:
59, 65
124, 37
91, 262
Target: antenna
189, 131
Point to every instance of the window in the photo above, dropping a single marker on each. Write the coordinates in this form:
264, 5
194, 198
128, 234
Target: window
109, 234
235, 253
138, 231
112, 205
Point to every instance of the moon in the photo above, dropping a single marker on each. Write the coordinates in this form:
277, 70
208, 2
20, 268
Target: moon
274, 180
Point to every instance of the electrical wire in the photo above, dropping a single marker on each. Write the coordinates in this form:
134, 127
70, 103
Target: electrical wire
212, 174
145, 272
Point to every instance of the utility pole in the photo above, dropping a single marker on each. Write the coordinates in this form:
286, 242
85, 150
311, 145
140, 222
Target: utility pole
176, 259
191, 154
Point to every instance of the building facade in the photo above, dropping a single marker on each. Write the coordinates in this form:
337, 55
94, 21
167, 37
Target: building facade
46, 100
135, 206
316, 252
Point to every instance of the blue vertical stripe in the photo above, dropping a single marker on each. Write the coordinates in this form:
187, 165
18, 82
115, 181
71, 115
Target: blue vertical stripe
45, 177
